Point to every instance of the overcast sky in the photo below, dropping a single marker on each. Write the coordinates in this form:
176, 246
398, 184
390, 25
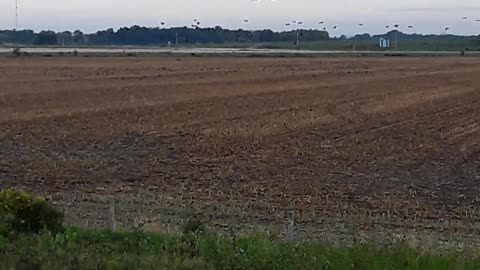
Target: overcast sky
428, 16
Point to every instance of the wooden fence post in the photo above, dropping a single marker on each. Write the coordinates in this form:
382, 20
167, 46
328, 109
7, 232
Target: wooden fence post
111, 222
290, 225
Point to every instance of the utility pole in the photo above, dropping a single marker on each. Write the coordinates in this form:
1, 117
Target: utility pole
298, 39
396, 40
396, 35
176, 39
354, 48
16, 15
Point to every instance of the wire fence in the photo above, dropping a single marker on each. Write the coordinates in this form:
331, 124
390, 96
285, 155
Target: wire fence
153, 210
158, 213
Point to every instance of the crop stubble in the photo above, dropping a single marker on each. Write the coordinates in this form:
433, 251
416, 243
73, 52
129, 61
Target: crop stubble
331, 138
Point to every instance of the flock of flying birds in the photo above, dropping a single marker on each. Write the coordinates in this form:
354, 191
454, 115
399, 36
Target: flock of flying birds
197, 24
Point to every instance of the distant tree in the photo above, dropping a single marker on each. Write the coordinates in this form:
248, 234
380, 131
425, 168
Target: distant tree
45, 38
65, 38
264, 36
78, 37
362, 37
104, 37
17, 37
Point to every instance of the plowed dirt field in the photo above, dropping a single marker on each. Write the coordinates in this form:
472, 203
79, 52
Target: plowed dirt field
395, 141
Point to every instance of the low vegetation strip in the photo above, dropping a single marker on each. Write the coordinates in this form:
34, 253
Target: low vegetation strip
76, 249
24, 246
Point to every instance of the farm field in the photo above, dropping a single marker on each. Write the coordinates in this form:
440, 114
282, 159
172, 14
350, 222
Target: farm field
356, 146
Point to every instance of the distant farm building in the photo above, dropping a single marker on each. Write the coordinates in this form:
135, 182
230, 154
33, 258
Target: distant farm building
384, 43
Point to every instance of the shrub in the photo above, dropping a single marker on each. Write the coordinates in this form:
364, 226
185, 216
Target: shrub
16, 52
23, 213
193, 230
3, 242
194, 226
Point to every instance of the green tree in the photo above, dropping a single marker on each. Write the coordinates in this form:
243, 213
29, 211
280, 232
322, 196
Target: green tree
78, 37
45, 38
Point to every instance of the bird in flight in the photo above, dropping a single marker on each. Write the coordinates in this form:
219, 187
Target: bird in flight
410, 26
465, 18
335, 27
447, 28
322, 22
360, 24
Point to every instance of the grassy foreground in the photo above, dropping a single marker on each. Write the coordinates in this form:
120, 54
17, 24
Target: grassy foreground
78, 249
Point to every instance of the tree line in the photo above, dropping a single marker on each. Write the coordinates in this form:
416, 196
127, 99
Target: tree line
137, 35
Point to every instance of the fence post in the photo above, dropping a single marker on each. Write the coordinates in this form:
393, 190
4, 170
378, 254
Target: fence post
290, 225
66, 203
112, 224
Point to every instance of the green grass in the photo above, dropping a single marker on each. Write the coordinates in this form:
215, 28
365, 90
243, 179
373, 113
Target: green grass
347, 45
78, 249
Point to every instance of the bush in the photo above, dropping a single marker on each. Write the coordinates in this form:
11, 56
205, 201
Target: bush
194, 226
3, 242
23, 213
192, 231
16, 52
